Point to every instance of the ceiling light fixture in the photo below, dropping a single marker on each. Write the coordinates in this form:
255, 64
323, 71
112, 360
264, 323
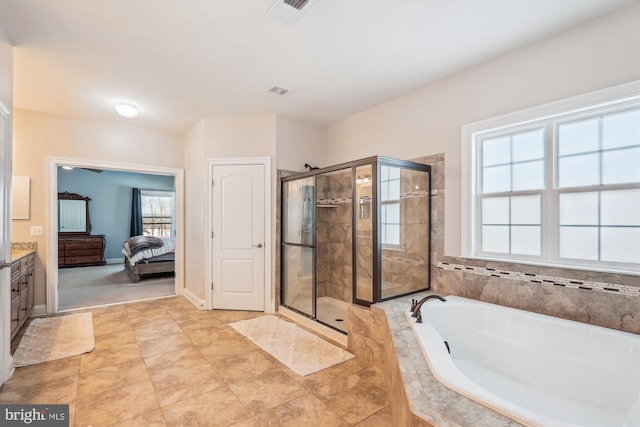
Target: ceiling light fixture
126, 110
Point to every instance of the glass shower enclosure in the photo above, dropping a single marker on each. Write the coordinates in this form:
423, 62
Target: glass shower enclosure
354, 233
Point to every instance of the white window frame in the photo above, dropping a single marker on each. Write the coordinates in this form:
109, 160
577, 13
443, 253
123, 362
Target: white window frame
622, 95
397, 201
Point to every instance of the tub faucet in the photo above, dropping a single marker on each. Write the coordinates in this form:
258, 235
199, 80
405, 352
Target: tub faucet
418, 305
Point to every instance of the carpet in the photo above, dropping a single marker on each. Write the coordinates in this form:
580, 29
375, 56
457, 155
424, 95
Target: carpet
301, 351
54, 338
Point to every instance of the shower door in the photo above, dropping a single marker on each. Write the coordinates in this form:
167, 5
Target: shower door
298, 244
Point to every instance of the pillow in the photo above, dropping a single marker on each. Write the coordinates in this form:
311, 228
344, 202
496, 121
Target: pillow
140, 243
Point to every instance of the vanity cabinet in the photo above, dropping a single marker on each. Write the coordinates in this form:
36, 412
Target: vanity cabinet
81, 251
22, 291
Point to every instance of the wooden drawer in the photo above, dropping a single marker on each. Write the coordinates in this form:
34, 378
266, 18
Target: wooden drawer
82, 246
82, 259
15, 315
15, 287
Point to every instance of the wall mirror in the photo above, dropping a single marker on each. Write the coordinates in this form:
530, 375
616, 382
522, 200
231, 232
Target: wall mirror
73, 214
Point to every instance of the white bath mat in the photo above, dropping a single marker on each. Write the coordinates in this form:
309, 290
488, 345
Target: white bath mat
54, 338
300, 351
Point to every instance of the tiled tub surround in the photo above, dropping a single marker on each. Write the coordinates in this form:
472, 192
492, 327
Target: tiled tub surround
381, 336
599, 306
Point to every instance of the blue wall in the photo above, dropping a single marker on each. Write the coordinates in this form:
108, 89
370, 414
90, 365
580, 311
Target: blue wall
110, 205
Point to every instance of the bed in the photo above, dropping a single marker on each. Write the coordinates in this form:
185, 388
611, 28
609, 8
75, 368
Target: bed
146, 256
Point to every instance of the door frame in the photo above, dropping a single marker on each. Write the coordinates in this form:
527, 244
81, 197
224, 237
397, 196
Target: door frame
52, 217
5, 246
269, 301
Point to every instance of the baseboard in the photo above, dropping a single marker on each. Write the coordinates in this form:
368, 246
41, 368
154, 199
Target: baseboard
39, 310
195, 299
325, 331
115, 260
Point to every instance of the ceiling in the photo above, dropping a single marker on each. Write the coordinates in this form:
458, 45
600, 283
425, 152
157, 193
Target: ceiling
182, 60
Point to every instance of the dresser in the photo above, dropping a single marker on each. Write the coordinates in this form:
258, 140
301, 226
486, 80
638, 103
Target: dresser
22, 292
80, 250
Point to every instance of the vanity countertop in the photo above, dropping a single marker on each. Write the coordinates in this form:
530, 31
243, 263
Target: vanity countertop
21, 250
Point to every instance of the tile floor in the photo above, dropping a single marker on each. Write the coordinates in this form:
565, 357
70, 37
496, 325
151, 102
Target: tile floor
166, 363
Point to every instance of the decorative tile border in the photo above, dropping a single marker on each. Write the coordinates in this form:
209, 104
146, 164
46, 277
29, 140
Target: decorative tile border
549, 280
407, 195
333, 201
407, 261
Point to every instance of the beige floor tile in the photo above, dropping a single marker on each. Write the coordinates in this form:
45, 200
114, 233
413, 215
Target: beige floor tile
353, 398
321, 378
149, 419
244, 366
230, 316
267, 391
176, 384
306, 410
148, 331
210, 334
55, 369
247, 422
61, 390
99, 380
148, 317
110, 322
223, 348
117, 355
110, 341
219, 407
183, 358
116, 405
164, 344
379, 419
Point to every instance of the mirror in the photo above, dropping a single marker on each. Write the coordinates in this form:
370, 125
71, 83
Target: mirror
73, 214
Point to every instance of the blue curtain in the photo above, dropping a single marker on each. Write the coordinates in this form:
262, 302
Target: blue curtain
136, 213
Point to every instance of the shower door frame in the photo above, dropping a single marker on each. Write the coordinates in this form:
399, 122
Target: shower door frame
376, 162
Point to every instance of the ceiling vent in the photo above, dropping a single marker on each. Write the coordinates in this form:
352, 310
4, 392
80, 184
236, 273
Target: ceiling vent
279, 90
288, 10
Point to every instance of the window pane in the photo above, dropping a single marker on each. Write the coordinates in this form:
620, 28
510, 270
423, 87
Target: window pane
496, 179
528, 146
384, 190
495, 210
391, 213
394, 190
576, 171
525, 241
528, 176
621, 207
579, 208
579, 243
384, 173
620, 244
620, 166
525, 210
496, 151
392, 235
495, 239
578, 137
394, 173
621, 130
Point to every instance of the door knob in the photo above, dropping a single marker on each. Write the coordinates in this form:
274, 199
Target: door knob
4, 264
259, 245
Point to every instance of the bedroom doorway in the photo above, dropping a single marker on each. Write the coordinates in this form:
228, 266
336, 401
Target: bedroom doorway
240, 237
91, 285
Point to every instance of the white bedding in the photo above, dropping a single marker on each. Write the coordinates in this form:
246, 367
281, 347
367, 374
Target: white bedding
168, 245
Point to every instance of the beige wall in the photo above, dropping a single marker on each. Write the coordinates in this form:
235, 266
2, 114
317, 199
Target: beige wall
599, 54
39, 135
300, 142
213, 138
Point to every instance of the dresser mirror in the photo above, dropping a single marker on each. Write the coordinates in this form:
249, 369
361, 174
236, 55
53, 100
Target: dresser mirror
73, 214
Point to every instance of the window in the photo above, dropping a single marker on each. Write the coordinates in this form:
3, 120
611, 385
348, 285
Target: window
561, 190
390, 206
157, 213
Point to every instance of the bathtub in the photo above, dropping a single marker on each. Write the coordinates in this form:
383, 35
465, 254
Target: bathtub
537, 370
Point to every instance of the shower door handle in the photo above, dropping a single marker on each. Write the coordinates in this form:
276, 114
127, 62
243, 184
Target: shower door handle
259, 245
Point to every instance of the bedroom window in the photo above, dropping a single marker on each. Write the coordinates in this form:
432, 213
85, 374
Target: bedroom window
561, 190
158, 209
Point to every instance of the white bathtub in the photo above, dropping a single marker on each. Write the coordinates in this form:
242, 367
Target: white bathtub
536, 369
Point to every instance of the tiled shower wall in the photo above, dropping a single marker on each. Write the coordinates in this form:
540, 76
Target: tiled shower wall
334, 234
604, 299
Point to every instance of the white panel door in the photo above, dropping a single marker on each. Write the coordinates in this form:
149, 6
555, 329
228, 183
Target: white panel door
238, 216
5, 245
